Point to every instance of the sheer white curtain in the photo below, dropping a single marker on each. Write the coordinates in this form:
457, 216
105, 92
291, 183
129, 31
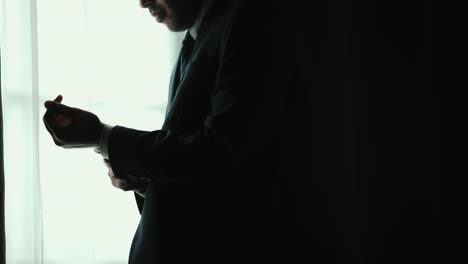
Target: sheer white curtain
106, 56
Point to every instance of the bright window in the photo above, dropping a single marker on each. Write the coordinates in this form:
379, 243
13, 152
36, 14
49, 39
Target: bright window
108, 57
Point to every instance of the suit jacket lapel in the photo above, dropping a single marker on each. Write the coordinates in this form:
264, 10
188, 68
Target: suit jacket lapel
174, 83
176, 78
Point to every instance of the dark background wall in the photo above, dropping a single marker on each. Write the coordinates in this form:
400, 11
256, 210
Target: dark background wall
383, 116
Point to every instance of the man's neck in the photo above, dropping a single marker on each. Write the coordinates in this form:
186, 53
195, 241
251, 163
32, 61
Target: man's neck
200, 17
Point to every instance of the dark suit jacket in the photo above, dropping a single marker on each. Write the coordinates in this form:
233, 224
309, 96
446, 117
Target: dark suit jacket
217, 192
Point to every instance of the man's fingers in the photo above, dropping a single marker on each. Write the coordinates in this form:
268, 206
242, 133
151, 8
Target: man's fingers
51, 132
53, 125
58, 108
59, 99
57, 117
49, 129
132, 184
62, 120
54, 121
49, 123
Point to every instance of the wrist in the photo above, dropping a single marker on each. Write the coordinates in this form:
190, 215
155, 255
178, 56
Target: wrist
104, 137
99, 134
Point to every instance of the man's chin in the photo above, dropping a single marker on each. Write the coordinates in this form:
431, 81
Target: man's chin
173, 28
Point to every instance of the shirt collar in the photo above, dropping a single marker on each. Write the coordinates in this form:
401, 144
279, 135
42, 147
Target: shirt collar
198, 21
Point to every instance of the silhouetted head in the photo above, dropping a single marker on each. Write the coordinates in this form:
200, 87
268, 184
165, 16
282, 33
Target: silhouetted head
177, 15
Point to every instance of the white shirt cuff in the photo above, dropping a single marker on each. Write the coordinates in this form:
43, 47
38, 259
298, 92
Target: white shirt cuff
104, 140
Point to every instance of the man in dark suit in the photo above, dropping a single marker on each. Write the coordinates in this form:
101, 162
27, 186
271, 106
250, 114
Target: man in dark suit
296, 134
213, 185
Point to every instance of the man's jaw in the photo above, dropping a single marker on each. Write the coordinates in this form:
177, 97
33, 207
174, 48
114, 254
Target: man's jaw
158, 12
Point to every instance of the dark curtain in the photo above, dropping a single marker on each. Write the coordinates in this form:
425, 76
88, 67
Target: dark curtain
2, 183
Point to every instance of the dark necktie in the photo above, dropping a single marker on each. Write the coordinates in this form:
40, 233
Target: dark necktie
185, 52
179, 70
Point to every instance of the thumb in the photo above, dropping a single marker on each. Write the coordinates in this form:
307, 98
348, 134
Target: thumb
59, 99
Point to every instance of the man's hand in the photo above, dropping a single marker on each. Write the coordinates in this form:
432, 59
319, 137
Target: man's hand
134, 184
71, 127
